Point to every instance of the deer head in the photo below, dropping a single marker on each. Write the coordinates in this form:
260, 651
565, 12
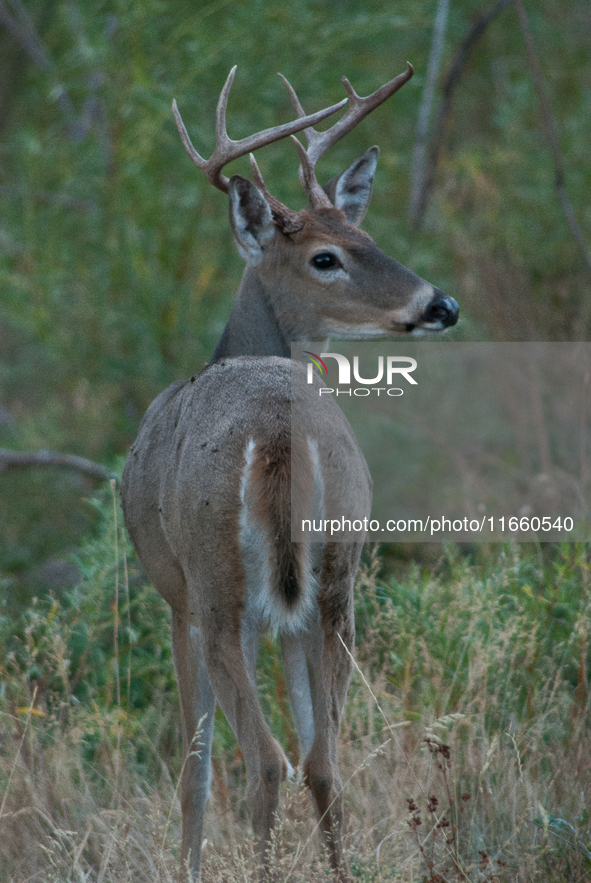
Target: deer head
321, 274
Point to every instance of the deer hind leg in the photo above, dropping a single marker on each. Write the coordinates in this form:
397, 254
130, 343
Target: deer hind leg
198, 711
230, 662
328, 686
318, 669
295, 667
317, 695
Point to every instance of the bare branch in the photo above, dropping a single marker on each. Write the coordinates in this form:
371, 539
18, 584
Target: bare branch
27, 38
549, 126
20, 25
25, 459
449, 86
420, 147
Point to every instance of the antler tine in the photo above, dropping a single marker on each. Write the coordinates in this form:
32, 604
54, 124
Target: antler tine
295, 101
289, 220
226, 149
358, 109
221, 132
256, 174
198, 160
319, 142
315, 192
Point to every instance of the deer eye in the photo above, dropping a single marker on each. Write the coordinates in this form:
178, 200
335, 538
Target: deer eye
325, 260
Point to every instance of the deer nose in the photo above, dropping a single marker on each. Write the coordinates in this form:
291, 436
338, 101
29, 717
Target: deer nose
443, 309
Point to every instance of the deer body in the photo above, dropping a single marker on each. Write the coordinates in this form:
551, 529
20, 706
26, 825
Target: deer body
207, 489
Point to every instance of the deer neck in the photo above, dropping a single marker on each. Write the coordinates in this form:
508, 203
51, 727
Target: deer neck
253, 328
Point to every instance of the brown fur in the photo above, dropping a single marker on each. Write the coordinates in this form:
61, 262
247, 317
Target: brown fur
271, 474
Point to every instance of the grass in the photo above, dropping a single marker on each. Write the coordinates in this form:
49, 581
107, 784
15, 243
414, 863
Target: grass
465, 748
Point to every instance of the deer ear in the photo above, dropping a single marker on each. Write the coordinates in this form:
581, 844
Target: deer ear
251, 219
351, 190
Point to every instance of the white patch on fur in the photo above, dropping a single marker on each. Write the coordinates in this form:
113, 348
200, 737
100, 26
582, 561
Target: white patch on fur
327, 277
419, 302
407, 315
250, 244
317, 505
262, 605
315, 549
344, 331
421, 297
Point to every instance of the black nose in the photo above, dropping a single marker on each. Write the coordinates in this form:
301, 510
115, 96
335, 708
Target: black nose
443, 309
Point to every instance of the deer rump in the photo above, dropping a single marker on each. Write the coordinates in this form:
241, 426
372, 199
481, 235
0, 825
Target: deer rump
214, 480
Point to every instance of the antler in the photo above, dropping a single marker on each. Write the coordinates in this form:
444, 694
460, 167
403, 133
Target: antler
227, 150
319, 142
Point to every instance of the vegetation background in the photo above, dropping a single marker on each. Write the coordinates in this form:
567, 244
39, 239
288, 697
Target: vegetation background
117, 273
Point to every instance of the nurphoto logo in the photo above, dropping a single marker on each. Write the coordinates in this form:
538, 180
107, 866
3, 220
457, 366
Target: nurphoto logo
402, 366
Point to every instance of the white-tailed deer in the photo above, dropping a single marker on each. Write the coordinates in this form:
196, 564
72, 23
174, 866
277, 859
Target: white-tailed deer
206, 488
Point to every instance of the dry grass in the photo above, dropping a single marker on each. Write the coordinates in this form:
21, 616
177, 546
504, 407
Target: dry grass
465, 753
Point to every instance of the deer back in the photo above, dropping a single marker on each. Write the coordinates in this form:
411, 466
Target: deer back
211, 469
